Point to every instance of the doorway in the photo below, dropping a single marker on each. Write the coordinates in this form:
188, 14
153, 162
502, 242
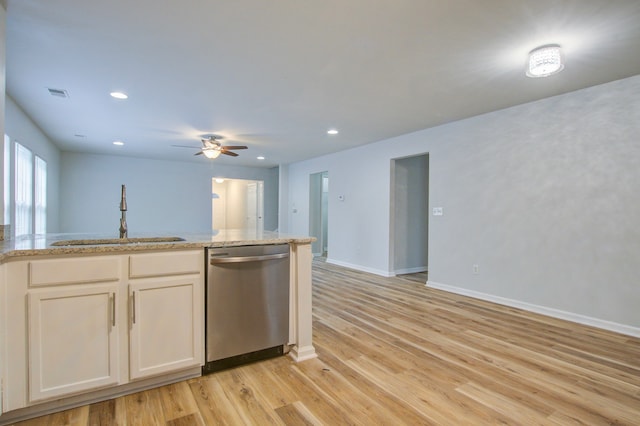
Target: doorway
319, 212
410, 214
237, 204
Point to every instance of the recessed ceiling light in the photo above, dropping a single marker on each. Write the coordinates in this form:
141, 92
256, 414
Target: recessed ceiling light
119, 95
332, 131
260, 158
119, 143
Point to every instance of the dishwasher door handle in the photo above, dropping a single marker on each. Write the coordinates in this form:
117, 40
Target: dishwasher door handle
238, 259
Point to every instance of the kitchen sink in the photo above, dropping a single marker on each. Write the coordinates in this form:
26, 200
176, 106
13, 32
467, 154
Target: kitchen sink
99, 241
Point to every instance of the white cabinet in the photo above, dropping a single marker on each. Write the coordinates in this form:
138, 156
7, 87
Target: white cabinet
85, 323
73, 343
166, 330
3, 291
166, 293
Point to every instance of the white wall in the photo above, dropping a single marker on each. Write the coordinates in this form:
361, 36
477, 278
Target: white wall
283, 198
544, 197
162, 196
20, 128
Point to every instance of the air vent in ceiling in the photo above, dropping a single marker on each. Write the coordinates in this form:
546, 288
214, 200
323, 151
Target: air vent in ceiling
58, 92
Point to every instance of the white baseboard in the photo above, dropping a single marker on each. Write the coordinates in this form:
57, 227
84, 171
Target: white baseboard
360, 268
411, 270
551, 312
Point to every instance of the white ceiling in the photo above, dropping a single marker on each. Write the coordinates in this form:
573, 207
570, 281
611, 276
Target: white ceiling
276, 75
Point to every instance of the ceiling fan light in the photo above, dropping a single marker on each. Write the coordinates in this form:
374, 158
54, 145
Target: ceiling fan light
211, 153
544, 61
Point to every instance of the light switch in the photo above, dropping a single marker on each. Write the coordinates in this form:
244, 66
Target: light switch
437, 211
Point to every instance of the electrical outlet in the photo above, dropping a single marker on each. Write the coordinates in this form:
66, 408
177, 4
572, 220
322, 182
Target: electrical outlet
475, 269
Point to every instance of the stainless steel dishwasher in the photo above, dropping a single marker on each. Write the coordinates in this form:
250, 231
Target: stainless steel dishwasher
247, 304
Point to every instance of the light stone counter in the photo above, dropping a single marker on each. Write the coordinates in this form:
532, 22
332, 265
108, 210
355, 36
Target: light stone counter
17, 255
301, 257
38, 245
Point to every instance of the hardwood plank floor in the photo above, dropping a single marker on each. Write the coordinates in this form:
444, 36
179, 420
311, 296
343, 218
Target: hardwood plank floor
392, 351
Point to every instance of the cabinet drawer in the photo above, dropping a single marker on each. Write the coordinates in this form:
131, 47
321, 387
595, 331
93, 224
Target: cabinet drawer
74, 271
159, 264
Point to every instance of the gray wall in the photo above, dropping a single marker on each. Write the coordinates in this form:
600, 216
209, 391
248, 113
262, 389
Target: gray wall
20, 128
3, 14
544, 197
83, 190
162, 196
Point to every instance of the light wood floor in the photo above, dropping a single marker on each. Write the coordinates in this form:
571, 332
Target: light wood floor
392, 352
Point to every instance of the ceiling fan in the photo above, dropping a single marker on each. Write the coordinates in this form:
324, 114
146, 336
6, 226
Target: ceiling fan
212, 148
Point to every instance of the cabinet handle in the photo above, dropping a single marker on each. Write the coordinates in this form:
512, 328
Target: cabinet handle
133, 307
113, 310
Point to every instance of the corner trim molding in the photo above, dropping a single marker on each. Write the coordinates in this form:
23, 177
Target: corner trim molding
302, 354
551, 312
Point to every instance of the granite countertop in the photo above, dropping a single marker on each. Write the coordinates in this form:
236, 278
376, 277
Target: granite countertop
45, 244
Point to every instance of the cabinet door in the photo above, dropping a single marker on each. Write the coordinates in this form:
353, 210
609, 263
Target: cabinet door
2, 336
166, 325
73, 343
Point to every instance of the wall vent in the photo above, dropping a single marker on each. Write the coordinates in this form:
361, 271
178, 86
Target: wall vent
58, 92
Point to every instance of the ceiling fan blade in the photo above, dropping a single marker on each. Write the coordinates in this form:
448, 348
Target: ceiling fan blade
186, 146
233, 154
198, 153
235, 147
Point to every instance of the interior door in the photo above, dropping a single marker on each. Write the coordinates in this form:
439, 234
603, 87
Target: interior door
238, 204
252, 206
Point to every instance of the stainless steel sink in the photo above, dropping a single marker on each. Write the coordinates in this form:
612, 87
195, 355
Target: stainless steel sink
101, 241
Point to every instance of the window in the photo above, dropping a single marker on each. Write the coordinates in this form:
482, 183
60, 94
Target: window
40, 199
24, 190
30, 199
7, 179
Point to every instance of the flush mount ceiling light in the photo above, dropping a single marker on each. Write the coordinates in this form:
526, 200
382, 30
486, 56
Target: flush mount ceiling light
332, 131
545, 61
260, 157
118, 95
119, 143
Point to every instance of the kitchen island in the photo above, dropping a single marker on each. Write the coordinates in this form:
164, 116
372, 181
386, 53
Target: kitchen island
142, 301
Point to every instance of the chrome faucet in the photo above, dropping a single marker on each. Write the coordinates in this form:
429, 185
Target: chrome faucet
123, 209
